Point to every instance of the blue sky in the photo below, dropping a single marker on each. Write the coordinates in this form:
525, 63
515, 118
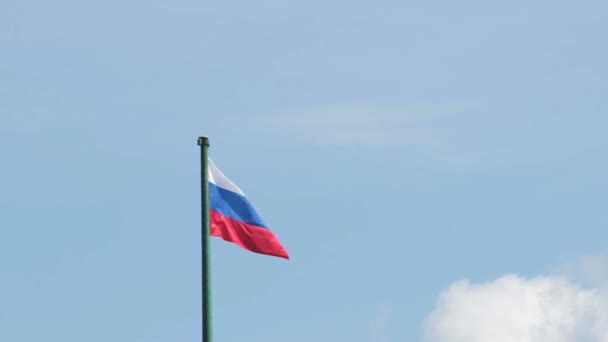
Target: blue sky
395, 148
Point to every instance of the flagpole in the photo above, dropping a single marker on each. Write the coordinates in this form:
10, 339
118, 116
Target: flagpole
203, 142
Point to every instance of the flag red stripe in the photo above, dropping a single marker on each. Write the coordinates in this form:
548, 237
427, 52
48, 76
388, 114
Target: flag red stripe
250, 237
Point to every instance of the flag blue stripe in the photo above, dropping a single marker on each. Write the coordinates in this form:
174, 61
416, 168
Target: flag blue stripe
233, 205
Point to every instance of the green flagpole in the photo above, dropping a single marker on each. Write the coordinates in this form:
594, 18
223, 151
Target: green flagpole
203, 142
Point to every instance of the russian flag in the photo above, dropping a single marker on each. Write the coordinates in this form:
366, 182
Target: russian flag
232, 217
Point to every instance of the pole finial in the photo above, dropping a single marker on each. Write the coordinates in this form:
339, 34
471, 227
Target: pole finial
203, 141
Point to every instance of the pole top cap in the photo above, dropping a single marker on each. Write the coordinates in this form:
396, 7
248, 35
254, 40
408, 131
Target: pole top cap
203, 141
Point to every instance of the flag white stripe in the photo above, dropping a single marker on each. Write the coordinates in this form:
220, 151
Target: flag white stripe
217, 177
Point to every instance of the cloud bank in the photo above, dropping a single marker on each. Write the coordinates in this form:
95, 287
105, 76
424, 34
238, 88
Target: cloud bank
516, 309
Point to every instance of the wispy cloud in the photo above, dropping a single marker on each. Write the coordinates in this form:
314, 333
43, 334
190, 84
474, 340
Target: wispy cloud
459, 134
360, 126
590, 269
379, 324
375, 126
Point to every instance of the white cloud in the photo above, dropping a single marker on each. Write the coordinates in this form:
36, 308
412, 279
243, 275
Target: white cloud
516, 309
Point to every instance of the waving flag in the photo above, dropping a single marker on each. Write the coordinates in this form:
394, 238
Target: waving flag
232, 217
